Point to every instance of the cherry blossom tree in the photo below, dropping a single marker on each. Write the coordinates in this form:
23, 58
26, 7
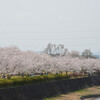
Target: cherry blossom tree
14, 61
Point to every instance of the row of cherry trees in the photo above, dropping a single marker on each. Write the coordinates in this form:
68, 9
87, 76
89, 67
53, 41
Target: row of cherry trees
14, 61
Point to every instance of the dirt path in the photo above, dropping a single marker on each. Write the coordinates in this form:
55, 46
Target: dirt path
76, 95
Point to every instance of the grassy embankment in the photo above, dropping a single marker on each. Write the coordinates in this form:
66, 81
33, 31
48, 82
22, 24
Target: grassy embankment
18, 80
77, 94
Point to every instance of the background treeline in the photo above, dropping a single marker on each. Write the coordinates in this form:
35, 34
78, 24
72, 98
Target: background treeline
60, 50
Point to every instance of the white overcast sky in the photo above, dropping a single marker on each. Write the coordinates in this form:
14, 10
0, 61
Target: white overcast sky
32, 24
